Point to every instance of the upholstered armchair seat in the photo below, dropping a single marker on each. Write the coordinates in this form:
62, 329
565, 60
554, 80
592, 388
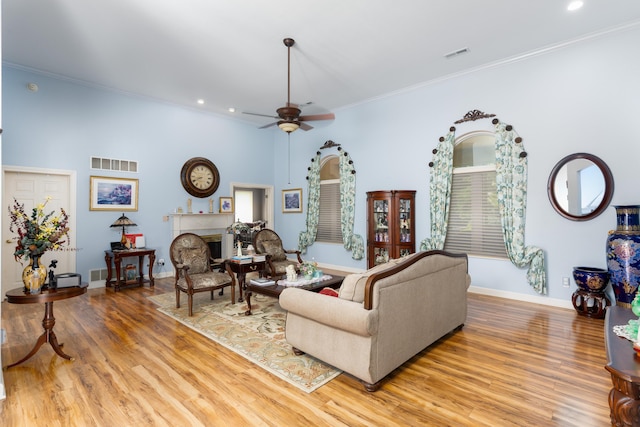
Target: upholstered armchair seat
191, 259
204, 280
267, 242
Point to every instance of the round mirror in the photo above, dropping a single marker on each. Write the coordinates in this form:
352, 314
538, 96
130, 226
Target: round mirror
580, 187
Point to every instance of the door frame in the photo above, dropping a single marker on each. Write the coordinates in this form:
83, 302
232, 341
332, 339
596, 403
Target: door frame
268, 194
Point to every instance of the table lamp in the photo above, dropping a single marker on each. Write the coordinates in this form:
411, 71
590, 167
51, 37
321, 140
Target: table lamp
123, 222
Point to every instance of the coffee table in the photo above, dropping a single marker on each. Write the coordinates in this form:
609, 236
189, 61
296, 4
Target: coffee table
276, 290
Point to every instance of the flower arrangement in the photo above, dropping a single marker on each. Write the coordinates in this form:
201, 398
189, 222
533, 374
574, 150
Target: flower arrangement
307, 268
238, 228
38, 232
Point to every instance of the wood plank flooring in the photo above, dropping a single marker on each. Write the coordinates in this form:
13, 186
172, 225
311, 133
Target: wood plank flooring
513, 364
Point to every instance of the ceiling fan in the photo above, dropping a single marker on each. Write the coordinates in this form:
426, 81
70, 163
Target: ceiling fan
289, 118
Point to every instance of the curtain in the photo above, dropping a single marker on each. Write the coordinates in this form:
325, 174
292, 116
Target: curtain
351, 241
307, 237
511, 180
440, 192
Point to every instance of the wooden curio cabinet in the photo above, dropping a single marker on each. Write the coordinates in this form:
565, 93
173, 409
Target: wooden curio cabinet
390, 225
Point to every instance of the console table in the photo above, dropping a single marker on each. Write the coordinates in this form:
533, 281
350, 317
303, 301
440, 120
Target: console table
47, 296
117, 257
624, 365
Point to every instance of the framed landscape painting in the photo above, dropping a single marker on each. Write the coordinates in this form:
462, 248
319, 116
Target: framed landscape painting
292, 200
113, 194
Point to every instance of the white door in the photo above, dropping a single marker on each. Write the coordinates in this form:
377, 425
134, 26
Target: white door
30, 187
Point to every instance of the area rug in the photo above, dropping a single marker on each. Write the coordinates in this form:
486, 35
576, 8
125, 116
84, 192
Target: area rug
259, 338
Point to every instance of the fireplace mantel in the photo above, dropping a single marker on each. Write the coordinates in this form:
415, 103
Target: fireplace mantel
202, 224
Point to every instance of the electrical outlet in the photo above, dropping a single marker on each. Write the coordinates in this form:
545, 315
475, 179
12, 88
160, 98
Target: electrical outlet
161, 262
565, 282
3, 336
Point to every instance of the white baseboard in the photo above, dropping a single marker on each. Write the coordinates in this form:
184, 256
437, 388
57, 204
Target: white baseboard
554, 302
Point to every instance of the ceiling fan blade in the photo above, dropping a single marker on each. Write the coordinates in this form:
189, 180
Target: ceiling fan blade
328, 116
305, 126
260, 115
268, 126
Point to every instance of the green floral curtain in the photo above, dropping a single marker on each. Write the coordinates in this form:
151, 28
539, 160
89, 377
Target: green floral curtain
351, 241
307, 237
440, 192
511, 180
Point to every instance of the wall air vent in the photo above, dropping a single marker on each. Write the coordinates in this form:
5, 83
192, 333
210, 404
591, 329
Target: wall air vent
456, 52
114, 164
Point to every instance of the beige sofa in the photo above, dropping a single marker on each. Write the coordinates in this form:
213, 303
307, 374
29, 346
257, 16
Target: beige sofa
382, 317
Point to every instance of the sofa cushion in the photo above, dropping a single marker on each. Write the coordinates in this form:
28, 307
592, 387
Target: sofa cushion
196, 259
352, 287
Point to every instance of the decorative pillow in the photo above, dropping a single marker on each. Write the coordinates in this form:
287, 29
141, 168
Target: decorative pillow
196, 259
328, 291
352, 287
275, 250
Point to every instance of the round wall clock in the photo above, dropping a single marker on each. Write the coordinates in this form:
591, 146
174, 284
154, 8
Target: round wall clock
200, 177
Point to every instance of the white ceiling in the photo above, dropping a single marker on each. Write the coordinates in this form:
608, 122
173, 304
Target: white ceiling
230, 52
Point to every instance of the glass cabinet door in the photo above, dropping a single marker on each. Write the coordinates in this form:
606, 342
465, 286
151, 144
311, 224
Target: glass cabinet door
404, 223
381, 220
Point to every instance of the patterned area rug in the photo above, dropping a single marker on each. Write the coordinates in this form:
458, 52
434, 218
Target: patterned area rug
258, 338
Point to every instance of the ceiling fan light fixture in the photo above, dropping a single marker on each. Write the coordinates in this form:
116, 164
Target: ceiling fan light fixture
289, 125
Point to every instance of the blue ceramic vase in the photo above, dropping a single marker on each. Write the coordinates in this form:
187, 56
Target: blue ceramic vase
623, 254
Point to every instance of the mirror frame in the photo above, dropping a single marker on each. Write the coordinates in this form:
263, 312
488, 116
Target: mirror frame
608, 182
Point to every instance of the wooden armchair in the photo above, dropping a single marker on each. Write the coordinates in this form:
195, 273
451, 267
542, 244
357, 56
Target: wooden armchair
268, 242
191, 259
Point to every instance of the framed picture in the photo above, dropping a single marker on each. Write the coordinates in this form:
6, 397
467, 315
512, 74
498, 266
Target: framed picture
292, 200
113, 194
226, 204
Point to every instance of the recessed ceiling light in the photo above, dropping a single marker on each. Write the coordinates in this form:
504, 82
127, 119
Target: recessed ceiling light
232, 110
200, 101
575, 5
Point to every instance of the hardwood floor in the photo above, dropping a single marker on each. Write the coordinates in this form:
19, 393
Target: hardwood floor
513, 364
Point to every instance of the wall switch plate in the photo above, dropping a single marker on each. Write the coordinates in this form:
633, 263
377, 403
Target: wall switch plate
3, 336
565, 282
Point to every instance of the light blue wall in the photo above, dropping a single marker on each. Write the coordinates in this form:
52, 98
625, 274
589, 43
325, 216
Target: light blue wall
63, 124
581, 98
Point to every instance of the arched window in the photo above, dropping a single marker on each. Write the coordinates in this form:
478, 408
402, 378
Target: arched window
474, 225
340, 200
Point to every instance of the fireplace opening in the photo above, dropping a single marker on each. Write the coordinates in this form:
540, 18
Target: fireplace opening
214, 241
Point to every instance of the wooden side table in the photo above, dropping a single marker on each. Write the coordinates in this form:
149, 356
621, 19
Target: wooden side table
117, 257
624, 365
598, 300
241, 270
48, 296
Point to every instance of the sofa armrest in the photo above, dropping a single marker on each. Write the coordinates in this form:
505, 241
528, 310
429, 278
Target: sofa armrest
331, 311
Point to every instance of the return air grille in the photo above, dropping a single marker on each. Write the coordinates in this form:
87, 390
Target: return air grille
103, 163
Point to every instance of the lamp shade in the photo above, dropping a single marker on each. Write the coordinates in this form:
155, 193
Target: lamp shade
123, 222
